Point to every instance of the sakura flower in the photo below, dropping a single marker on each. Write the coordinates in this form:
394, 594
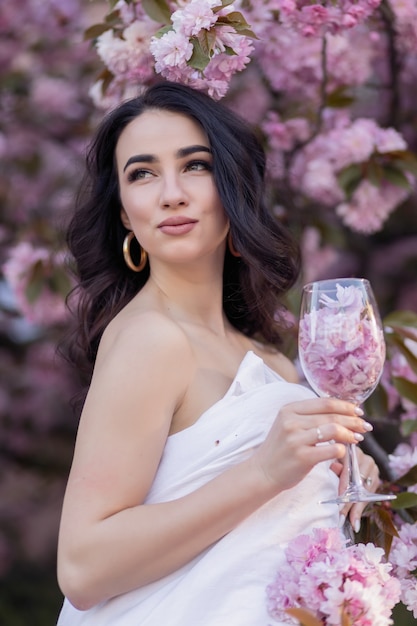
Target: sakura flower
346, 297
403, 459
323, 576
370, 206
341, 348
403, 556
48, 306
315, 20
194, 17
409, 594
317, 258
172, 50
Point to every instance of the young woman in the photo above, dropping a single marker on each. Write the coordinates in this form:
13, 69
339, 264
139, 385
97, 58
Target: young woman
196, 457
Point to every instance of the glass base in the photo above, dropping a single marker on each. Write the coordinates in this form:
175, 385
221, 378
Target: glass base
360, 494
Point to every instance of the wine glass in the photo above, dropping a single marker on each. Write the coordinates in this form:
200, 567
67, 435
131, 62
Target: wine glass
342, 353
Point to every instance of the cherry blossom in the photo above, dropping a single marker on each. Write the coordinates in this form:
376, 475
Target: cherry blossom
325, 577
341, 350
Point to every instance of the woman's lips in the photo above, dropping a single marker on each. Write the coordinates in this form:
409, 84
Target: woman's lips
177, 225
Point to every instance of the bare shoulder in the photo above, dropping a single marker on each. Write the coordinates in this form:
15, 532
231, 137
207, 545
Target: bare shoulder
149, 345
280, 363
147, 332
141, 374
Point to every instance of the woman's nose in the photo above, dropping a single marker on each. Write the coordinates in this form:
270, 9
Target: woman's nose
173, 193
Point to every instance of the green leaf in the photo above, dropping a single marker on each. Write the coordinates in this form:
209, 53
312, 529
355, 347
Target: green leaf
113, 18
339, 98
401, 318
106, 77
377, 527
405, 160
59, 282
398, 342
207, 40
33, 290
225, 3
405, 500
374, 172
238, 22
157, 10
199, 60
228, 50
163, 30
406, 388
408, 427
35, 282
304, 617
383, 520
377, 403
395, 176
95, 31
409, 479
403, 332
349, 178
235, 19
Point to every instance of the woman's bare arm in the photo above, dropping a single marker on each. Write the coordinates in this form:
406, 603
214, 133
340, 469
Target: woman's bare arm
110, 542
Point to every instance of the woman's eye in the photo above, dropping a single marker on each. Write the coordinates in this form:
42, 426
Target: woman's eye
197, 166
138, 174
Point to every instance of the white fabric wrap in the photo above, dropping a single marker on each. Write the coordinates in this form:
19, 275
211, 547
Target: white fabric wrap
224, 585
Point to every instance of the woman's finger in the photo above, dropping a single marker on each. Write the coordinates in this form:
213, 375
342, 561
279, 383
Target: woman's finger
370, 476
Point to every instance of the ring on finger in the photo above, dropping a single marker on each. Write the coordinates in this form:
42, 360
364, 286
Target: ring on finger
319, 434
367, 480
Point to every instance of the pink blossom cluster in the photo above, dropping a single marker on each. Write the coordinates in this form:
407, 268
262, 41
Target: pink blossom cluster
403, 556
135, 51
405, 23
341, 347
48, 306
328, 579
349, 60
174, 49
124, 51
315, 20
317, 166
317, 257
402, 460
371, 205
398, 367
282, 136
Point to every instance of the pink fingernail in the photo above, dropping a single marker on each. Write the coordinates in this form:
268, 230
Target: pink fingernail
358, 436
358, 411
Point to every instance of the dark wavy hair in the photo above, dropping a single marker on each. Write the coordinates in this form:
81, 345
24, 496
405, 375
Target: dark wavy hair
253, 284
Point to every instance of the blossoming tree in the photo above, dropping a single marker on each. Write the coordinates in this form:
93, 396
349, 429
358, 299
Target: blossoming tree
330, 87
45, 72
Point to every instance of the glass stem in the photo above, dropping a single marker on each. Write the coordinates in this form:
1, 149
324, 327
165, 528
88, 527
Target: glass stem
355, 475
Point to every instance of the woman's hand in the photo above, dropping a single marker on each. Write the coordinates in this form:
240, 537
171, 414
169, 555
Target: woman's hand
370, 475
290, 451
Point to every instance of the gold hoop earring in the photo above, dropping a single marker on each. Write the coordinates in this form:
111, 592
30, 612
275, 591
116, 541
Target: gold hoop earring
126, 254
232, 249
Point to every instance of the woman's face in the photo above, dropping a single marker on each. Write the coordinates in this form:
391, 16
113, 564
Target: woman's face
167, 189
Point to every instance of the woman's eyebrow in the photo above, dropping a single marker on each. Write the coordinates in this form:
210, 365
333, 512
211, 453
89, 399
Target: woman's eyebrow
181, 153
140, 158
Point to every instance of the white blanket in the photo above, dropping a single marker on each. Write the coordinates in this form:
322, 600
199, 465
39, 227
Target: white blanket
225, 584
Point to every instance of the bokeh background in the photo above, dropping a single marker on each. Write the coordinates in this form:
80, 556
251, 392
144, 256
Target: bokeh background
334, 102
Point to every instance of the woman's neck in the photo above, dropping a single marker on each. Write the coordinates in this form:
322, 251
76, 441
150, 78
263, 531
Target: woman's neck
190, 296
